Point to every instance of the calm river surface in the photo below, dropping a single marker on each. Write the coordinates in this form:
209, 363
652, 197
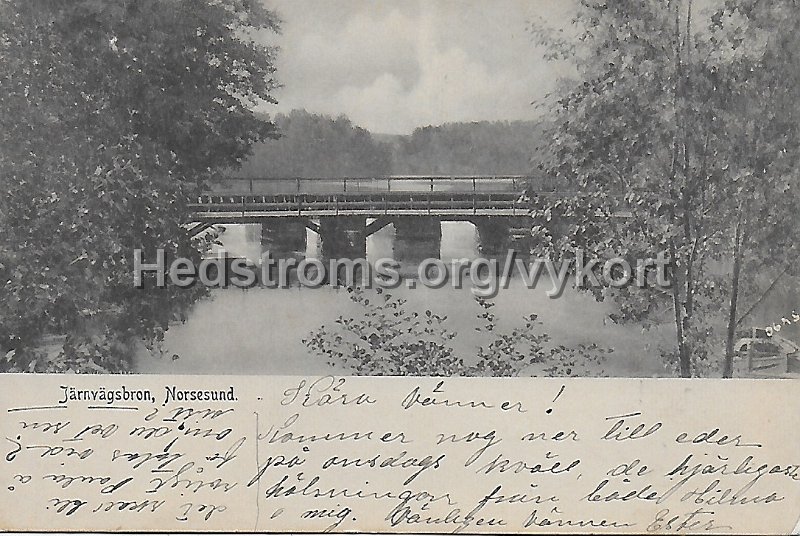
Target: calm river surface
260, 330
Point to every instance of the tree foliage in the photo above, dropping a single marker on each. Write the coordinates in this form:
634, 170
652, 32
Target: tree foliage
312, 146
113, 114
389, 340
480, 147
685, 121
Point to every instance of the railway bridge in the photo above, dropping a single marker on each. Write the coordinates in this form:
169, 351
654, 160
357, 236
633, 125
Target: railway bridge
347, 210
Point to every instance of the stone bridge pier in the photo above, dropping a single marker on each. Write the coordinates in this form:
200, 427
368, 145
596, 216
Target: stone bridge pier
498, 234
416, 238
343, 237
284, 237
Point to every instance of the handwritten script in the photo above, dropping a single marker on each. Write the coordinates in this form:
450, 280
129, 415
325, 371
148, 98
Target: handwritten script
399, 455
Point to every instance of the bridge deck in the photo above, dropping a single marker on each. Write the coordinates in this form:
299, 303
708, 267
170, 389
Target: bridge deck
423, 203
460, 197
251, 199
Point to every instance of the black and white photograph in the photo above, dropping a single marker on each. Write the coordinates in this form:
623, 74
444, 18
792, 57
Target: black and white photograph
400, 266
443, 188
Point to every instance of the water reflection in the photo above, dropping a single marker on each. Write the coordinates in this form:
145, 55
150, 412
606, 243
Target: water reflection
260, 330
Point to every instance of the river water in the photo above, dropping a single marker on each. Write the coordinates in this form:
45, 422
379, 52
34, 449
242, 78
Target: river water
260, 330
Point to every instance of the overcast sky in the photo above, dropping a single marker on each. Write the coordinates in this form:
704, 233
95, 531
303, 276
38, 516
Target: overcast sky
391, 66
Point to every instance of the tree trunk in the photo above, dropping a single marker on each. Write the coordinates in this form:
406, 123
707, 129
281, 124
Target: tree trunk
727, 369
684, 356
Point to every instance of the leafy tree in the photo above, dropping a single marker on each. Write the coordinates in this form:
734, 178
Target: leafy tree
759, 107
389, 340
668, 127
112, 116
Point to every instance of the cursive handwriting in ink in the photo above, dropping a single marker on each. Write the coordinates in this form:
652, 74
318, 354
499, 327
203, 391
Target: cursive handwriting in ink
692, 522
326, 391
624, 430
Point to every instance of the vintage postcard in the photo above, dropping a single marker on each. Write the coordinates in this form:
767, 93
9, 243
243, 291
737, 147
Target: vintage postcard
409, 266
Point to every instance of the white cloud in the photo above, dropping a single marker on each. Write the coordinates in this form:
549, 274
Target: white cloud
408, 64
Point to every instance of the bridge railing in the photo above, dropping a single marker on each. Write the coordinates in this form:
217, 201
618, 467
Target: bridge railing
238, 206
399, 184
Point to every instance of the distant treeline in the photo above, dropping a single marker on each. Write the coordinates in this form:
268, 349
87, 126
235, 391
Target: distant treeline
314, 145
499, 147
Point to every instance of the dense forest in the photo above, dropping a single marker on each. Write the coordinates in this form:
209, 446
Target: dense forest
313, 145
